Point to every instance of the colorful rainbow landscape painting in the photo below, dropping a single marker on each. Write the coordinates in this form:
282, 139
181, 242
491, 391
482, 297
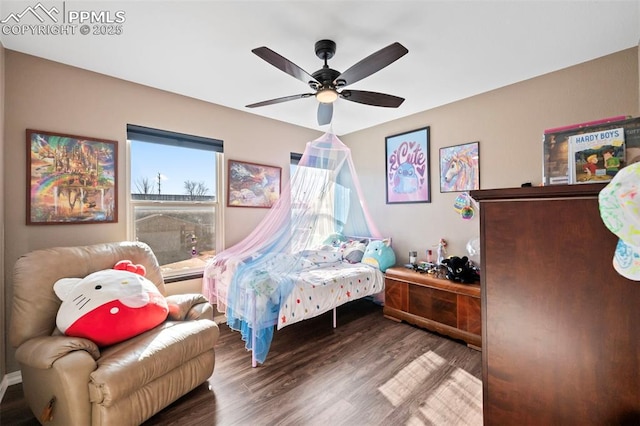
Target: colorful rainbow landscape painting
72, 179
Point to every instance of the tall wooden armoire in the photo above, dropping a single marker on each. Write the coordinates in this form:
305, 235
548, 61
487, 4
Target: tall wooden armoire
560, 327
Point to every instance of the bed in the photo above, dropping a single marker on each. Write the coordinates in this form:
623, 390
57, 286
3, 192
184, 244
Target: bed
305, 257
284, 289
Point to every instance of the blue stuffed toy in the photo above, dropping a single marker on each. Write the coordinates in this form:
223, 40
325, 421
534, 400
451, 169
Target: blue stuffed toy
334, 240
379, 254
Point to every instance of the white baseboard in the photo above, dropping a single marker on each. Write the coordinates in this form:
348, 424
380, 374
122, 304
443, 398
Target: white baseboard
4, 384
8, 380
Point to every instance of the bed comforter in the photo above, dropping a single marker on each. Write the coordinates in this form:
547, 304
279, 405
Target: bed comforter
282, 290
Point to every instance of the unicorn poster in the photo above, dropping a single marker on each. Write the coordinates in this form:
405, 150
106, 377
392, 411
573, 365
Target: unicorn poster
407, 172
460, 168
72, 179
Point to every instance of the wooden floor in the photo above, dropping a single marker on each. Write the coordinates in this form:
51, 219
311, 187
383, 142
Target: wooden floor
368, 371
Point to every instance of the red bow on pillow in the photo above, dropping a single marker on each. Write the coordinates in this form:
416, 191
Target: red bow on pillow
127, 265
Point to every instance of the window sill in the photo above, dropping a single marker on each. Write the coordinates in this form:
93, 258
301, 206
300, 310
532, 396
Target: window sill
183, 277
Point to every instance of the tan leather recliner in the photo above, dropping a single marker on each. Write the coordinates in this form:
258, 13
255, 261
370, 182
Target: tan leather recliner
123, 384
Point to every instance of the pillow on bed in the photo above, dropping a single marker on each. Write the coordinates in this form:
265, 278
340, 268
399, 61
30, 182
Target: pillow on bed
281, 262
334, 241
379, 254
354, 250
321, 257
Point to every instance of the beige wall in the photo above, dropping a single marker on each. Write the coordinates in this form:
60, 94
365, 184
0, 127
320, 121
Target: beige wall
45, 95
508, 123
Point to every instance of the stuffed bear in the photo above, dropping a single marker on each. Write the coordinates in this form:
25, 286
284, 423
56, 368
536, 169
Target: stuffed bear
379, 254
459, 269
111, 305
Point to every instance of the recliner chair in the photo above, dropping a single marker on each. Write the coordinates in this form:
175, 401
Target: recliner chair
122, 384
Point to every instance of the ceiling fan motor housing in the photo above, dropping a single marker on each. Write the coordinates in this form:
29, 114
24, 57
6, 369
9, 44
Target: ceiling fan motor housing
325, 49
326, 76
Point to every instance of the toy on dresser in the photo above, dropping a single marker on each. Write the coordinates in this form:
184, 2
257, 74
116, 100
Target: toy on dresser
459, 269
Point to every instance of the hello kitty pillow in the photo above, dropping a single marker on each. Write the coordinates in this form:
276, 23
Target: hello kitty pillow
110, 306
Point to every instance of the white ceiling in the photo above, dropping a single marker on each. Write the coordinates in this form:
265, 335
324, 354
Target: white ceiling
457, 49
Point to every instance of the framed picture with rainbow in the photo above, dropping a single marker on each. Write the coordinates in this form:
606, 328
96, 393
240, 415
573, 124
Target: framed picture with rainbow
71, 179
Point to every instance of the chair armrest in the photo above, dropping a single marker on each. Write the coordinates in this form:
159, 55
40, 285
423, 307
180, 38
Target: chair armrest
189, 307
42, 352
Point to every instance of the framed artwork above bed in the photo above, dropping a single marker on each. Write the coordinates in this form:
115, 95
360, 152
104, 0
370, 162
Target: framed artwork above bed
407, 167
252, 185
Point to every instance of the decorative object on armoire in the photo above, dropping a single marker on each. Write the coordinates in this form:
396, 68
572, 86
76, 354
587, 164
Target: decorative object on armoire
408, 169
460, 167
620, 212
71, 179
556, 151
596, 156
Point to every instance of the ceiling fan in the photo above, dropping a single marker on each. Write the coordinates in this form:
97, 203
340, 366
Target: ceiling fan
328, 84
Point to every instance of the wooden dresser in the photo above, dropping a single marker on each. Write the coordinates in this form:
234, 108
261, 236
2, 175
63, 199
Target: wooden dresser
560, 328
440, 305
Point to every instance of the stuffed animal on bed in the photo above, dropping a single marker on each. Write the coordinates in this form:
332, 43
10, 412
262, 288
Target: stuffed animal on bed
111, 305
353, 251
380, 254
334, 240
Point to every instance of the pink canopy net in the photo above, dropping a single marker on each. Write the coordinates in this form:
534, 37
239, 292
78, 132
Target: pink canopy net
322, 202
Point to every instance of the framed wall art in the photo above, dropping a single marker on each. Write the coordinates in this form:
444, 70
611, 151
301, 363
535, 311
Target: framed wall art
71, 179
252, 185
407, 167
460, 167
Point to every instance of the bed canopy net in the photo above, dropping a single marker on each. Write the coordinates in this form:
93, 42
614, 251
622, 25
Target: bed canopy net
321, 206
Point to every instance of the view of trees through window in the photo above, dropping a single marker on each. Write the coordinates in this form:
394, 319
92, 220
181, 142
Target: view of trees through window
174, 203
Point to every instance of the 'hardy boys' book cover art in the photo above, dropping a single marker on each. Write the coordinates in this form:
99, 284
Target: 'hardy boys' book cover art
596, 156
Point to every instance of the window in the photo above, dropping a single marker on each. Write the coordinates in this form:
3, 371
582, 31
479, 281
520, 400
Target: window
293, 164
174, 182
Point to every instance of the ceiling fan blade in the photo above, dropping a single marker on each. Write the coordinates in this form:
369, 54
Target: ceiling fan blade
372, 98
325, 113
283, 64
279, 100
372, 63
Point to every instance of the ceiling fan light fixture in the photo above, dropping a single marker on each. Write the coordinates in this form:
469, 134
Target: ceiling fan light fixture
327, 96
328, 84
